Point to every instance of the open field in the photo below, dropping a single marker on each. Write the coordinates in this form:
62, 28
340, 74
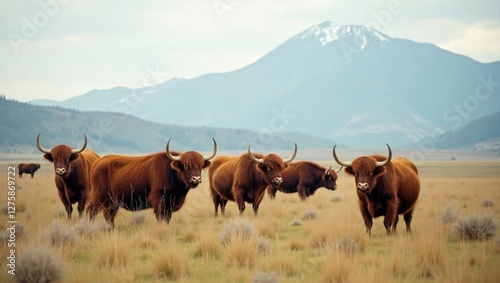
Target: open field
320, 240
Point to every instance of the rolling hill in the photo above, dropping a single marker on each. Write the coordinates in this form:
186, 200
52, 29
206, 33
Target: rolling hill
108, 132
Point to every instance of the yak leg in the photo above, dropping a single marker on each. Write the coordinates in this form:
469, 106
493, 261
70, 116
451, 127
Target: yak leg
217, 199
395, 224
110, 213
239, 199
302, 190
223, 203
66, 203
407, 217
391, 214
81, 205
256, 203
271, 191
367, 218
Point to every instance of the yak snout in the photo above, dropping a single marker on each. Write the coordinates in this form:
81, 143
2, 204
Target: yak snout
362, 186
60, 171
195, 180
277, 181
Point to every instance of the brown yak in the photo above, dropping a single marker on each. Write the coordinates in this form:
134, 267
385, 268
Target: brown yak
28, 168
305, 177
72, 169
245, 178
161, 180
385, 187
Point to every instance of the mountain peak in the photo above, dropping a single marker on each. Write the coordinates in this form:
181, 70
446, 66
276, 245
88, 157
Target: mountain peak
328, 32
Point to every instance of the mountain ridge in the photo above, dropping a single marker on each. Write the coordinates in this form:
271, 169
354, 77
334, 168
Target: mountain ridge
392, 92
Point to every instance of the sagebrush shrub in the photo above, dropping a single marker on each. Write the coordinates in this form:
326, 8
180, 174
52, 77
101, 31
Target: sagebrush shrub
261, 277
309, 214
60, 234
88, 229
487, 203
448, 216
475, 227
345, 244
296, 222
39, 264
237, 227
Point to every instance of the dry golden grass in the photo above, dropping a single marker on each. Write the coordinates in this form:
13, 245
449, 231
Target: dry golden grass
189, 250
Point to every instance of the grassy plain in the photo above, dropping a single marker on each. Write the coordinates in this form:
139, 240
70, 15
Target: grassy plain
296, 248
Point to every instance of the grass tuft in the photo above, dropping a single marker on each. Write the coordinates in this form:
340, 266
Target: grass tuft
172, 264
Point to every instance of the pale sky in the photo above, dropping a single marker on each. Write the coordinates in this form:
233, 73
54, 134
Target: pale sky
58, 49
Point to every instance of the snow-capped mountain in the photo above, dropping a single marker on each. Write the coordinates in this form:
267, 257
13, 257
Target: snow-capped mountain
351, 84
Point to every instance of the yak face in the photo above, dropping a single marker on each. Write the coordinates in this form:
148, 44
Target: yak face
365, 173
271, 169
188, 165
62, 157
329, 179
189, 168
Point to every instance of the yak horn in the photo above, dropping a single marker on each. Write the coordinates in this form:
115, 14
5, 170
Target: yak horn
340, 162
169, 155
327, 171
291, 157
83, 147
383, 163
40, 148
340, 169
258, 160
214, 152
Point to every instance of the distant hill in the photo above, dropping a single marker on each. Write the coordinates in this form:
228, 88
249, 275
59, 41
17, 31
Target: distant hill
20, 123
481, 134
347, 83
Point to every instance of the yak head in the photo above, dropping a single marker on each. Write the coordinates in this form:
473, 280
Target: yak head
62, 156
188, 165
329, 178
271, 166
365, 169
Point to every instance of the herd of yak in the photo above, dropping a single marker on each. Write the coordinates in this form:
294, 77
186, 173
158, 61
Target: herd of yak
385, 186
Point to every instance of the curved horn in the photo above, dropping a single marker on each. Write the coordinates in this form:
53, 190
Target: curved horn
340, 162
383, 163
291, 157
214, 152
340, 169
40, 148
83, 147
258, 160
169, 155
327, 171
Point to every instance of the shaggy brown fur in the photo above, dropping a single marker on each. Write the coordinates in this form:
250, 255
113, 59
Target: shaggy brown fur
142, 182
305, 178
240, 179
28, 168
386, 191
72, 175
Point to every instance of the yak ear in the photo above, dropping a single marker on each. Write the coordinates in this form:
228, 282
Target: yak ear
176, 165
349, 171
48, 157
207, 163
261, 166
379, 171
73, 156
